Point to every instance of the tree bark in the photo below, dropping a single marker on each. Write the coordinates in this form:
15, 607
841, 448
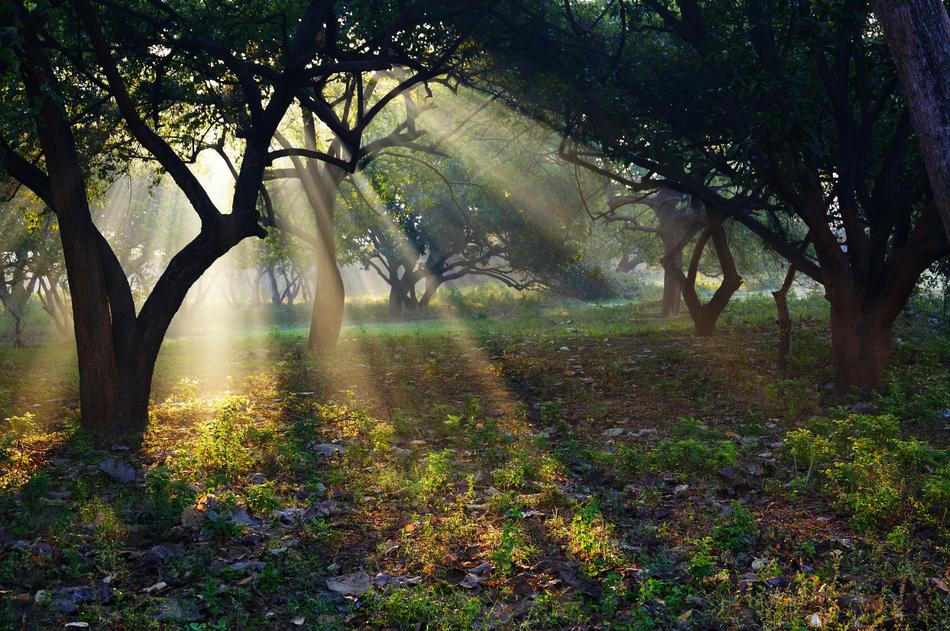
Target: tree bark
274, 287
433, 282
705, 316
784, 322
672, 298
918, 35
861, 345
321, 183
395, 299
329, 294
17, 331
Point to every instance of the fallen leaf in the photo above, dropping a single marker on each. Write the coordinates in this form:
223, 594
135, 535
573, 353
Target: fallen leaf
941, 585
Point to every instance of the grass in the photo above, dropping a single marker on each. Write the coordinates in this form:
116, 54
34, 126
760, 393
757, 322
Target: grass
522, 465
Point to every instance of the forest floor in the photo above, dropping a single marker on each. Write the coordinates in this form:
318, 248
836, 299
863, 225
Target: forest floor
515, 465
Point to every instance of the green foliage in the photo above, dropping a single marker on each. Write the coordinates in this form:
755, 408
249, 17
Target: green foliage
591, 539
689, 457
735, 529
432, 476
795, 398
864, 463
701, 561
262, 499
429, 608
166, 498
917, 392
512, 550
223, 449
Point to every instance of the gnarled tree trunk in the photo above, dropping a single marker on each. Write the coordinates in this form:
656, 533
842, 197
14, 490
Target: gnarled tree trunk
705, 316
672, 297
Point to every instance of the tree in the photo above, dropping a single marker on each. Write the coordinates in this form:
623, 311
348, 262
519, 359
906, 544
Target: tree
197, 68
675, 224
356, 108
785, 118
409, 229
918, 34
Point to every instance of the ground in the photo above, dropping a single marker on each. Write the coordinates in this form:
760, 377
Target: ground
514, 464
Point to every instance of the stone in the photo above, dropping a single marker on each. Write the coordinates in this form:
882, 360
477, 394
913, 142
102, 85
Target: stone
118, 470
354, 584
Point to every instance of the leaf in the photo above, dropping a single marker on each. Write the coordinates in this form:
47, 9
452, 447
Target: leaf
941, 585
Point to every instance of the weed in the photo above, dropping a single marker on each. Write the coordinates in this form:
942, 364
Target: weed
590, 539
165, 498
512, 550
414, 608
735, 529
863, 462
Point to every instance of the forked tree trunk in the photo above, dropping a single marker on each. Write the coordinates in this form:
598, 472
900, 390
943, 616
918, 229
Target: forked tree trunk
705, 316
116, 347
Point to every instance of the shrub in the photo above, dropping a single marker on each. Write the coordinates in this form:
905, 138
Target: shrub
736, 528
917, 392
873, 472
166, 498
222, 448
689, 457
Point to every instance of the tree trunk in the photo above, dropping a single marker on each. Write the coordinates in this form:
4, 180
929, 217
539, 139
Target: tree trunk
395, 299
114, 379
861, 344
672, 297
918, 35
321, 184
17, 330
433, 282
784, 322
705, 316
274, 287
329, 297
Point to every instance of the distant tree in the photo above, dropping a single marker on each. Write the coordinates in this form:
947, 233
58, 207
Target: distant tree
29, 261
362, 110
675, 222
17, 286
412, 231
